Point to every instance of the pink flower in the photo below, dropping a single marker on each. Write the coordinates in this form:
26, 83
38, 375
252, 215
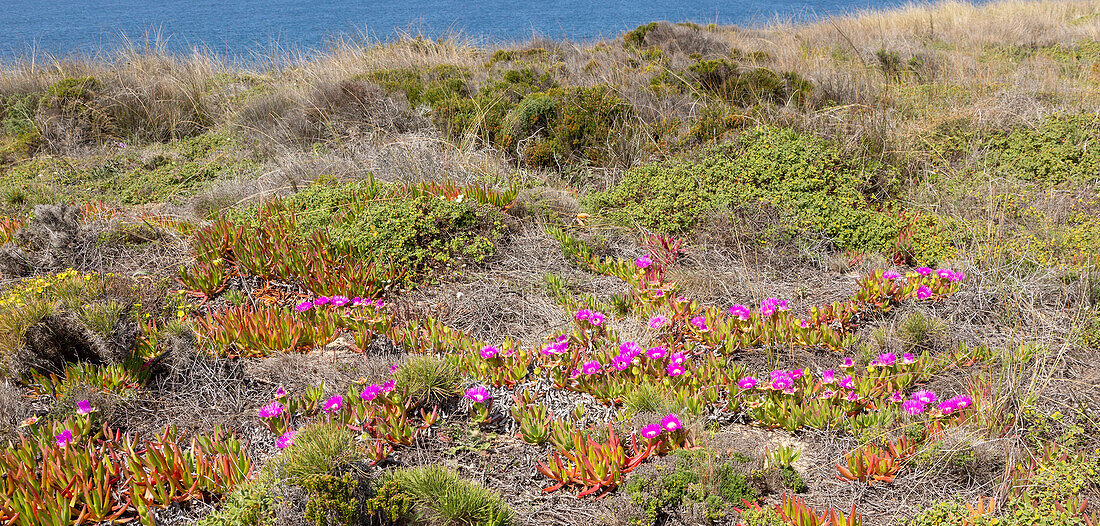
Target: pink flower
478, 394
643, 262
852, 396
629, 350
285, 440
955, 404
767, 307
370, 392
489, 351
700, 322
741, 312
671, 422
304, 306
655, 353
782, 383
321, 300
957, 276
924, 271
388, 386
848, 363
913, 407
393, 368
83, 407
828, 377
584, 314
271, 410
591, 367
340, 301
334, 404
378, 304
596, 319
885, 359
280, 392
908, 358
797, 373
924, 397
804, 323
747, 382
64, 439
924, 292
620, 363
945, 273
890, 274
675, 369
657, 322
897, 397
848, 382
677, 358
652, 431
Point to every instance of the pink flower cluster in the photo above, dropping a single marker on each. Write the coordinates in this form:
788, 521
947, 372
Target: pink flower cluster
771, 306
560, 345
372, 391
478, 394
669, 423
741, 312
595, 318
643, 262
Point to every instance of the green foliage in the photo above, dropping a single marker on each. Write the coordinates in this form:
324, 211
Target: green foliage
636, 37
388, 502
762, 516
438, 496
381, 224
726, 80
1057, 151
585, 121
697, 477
252, 504
792, 479
429, 379
918, 331
332, 499
815, 185
101, 316
320, 449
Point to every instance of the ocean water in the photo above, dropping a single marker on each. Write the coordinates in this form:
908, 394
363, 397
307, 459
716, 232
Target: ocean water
245, 28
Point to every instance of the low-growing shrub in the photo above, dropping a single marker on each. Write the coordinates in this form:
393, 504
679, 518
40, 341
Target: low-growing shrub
1057, 151
437, 496
320, 449
332, 499
697, 477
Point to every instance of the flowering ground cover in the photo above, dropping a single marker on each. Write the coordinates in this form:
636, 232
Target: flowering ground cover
836, 273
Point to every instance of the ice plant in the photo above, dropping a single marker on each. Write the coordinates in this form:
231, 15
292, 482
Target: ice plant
924, 271
64, 439
655, 353
285, 440
675, 369
83, 407
280, 392
890, 274
304, 306
478, 394
370, 392
643, 262
924, 397
271, 410
671, 422
489, 351
945, 273
652, 431
388, 386
596, 319
848, 363
913, 407
334, 404
700, 322
828, 377
657, 322
584, 314
741, 312
885, 359
590, 367
321, 300
340, 301
848, 382
747, 382
908, 358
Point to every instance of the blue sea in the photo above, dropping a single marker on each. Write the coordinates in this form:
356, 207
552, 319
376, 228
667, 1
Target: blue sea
248, 28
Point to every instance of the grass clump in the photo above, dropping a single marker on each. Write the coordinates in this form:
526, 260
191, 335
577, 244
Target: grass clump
437, 496
320, 449
817, 187
428, 379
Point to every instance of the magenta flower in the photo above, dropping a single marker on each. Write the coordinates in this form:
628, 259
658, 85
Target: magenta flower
890, 274
913, 407
378, 304
643, 262
797, 373
908, 358
848, 382
885, 359
747, 382
334, 404
924, 271
356, 301
848, 363
393, 368
630, 350
924, 292
83, 407
957, 403
370, 392
897, 397
767, 307
304, 306
620, 363
741, 312
852, 396
321, 300
782, 383
700, 322
596, 319
657, 322
957, 276
591, 367
675, 369
671, 422
655, 353
828, 377
945, 273
652, 431
285, 440
280, 392
924, 397
489, 351
478, 394
271, 410
64, 439
388, 386
677, 358
584, 314
340, 301
804, 323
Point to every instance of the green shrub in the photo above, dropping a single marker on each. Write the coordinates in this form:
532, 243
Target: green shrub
697, 477
252, 504
332, 500
320, 449
636, 37
437, 496
816, 186
725, 79
1059, 150
428, 379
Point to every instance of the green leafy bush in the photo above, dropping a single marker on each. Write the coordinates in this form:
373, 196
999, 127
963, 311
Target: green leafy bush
332, 500
437, 496
725, 79
818, 187
252, 504
1059, 150
697, 477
